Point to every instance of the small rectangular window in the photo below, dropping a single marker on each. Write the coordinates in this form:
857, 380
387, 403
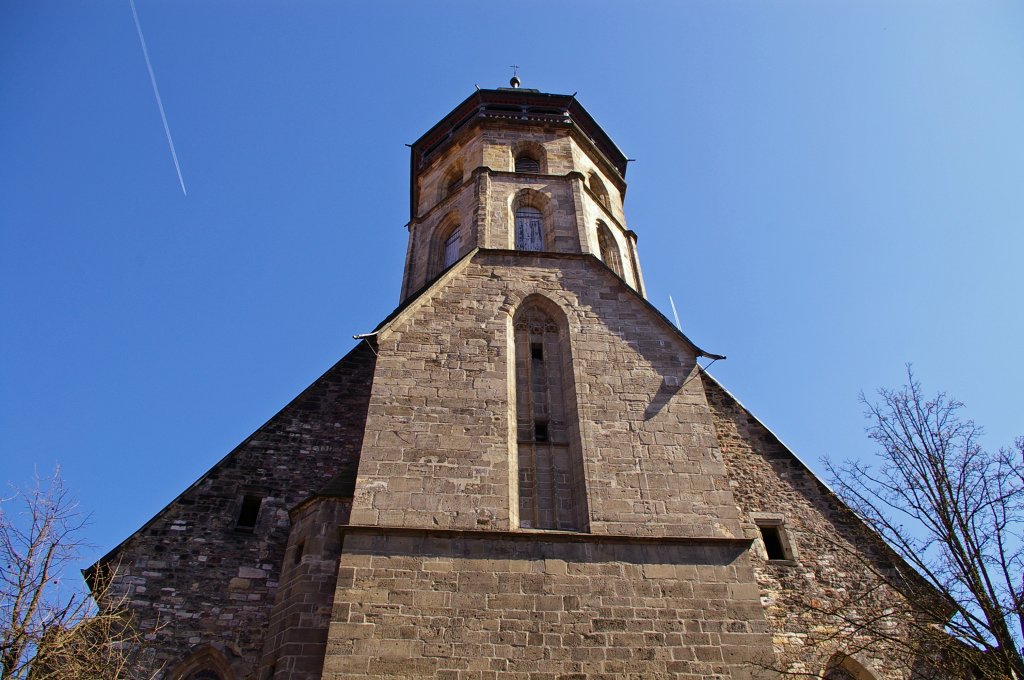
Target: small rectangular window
772, 537
540, 432
299, 549
249, 512
537, 351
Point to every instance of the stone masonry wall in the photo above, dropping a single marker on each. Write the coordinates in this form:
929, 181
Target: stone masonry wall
193, 579
829, 543
297, 635
438, 446
493, 606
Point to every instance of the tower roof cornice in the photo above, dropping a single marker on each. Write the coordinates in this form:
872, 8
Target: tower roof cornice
516, 105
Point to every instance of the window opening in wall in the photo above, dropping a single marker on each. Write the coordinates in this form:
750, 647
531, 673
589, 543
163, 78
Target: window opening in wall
249, 512
529, 229
454, 182
597, 186
772, 537
452, 245
540, 432
609, 248
299, 549
551, 486
526, 163
204, 674
839, 673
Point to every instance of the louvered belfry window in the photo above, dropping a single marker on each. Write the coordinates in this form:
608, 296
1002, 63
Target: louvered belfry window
526, 163
452, 245
550, 483
529, 229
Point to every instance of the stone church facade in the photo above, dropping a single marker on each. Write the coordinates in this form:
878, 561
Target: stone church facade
521, 473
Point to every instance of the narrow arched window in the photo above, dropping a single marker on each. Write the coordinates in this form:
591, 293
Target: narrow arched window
453, 182
597, 186
529, 229
452, 247
527, 163
204, 674
551, 486
609, 248
450, 181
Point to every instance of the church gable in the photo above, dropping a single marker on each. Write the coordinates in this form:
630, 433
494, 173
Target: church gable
444, 415
522, 471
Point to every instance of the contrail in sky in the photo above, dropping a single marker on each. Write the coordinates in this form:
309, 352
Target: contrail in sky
156, 91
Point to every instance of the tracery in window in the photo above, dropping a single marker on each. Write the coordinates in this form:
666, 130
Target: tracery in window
609, 248
551, 487
529, 224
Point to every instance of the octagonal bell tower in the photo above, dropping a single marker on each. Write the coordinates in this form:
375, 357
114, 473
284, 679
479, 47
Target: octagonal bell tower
517, 169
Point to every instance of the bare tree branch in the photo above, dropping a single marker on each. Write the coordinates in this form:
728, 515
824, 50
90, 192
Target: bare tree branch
51, 630
955, 513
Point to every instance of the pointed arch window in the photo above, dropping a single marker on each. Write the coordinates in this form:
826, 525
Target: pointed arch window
609, 248
597, 186
551, 489
452, 247
452, 182
529, 229
205, 674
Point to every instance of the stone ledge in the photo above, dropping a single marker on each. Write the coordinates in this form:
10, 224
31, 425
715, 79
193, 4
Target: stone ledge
531, 535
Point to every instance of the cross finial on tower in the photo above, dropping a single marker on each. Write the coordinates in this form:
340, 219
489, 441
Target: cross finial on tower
514, 82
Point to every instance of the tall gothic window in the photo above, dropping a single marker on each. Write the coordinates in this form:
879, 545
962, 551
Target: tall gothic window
552, 493
609, 248
529, 229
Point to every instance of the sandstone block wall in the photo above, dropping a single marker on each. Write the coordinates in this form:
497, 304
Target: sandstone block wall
470, 606
297, 632
483, 205
193, 579
833, 549
439, 444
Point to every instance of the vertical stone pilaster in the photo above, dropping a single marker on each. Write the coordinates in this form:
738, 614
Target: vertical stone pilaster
297, 634
481, 210
576, 182
634, 261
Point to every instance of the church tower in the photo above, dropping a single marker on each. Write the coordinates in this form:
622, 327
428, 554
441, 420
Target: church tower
522, 472
539, 484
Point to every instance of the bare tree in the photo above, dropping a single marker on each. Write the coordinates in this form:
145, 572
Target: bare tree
50, 629
953, 511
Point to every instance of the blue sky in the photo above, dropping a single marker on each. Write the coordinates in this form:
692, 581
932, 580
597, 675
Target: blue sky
827, 189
